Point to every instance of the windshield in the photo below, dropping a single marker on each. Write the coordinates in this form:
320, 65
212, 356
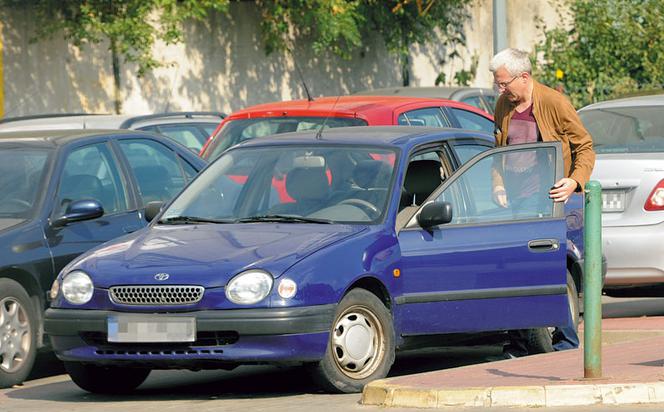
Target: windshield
21, 179
292, 184
625, 129
236, 131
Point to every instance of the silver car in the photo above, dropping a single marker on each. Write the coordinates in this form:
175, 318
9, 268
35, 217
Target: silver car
628, 136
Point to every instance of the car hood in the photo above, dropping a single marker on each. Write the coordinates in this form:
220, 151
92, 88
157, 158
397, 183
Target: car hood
207, 255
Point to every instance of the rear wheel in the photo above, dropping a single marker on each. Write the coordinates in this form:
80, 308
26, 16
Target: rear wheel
18, 337
106, 379
540, 340
361, 346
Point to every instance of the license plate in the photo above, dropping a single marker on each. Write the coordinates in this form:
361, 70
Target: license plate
613, 200
144, 328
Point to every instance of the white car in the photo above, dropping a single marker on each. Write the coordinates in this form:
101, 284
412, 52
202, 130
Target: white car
628, 136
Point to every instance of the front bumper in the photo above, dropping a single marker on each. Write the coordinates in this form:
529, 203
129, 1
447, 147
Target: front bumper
241, 336
635, 255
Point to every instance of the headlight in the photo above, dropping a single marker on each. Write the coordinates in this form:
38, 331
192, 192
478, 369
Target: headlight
249, 287
77, 287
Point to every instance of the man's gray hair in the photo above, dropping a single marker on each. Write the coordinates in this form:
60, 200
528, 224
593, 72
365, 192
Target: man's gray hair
515, 61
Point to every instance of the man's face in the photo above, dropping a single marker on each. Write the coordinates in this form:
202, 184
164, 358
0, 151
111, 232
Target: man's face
514, 87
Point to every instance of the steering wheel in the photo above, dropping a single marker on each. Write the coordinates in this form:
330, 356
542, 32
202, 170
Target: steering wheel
369, 208
22, 204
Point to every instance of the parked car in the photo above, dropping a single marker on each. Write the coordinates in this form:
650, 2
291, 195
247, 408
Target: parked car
191, 129
386, 239
282, 117
62, 193
481, 98
628, 136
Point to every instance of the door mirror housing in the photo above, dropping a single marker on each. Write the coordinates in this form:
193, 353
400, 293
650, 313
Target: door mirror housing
79, 210
434, 214
152, 209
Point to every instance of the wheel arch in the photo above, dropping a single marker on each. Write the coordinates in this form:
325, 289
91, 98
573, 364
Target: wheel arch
374, 286
576, 270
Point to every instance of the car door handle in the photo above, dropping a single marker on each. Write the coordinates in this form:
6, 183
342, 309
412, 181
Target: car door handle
543, 245
130, 228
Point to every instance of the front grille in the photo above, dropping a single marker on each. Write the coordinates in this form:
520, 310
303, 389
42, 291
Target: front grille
156, 295
203, 338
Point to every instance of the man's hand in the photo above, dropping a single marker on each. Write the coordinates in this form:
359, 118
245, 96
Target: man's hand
499, 196
563, 189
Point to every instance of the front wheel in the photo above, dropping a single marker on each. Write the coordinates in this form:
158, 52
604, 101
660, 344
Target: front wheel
361, 346
105, 379
18, 333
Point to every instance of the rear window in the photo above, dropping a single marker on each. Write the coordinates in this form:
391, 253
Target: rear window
236, 131
625, 129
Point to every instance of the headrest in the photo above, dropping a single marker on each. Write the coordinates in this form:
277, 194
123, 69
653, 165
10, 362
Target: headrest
422, 177
307, 183
371, 173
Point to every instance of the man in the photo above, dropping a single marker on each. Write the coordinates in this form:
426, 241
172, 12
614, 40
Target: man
528, 112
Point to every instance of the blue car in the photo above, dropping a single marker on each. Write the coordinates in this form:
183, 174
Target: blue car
332, 250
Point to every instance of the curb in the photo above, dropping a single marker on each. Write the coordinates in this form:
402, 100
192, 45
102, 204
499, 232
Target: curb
381, 393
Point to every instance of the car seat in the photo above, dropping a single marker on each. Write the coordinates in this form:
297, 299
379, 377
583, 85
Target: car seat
310, 189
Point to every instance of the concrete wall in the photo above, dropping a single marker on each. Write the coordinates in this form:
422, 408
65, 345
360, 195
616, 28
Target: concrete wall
222, 66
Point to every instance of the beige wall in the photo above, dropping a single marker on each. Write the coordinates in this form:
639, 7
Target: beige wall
222, 66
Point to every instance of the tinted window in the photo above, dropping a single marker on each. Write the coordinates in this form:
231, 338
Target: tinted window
527, 175
91, 172
472, 121
466, 152
625, 129
474, 101
189, 170
236, 131
155, 167
188, 135
432, 117
22, 172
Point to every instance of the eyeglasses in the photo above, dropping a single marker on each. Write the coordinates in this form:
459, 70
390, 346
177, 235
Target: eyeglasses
502, 85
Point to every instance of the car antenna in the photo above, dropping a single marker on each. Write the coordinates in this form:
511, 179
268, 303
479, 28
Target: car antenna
304, 84
319, 133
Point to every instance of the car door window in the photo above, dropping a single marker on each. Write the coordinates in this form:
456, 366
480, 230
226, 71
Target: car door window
155, 168
474, 101
472, 121
527, 175
465, 152
431, 116
189, 136
91, 172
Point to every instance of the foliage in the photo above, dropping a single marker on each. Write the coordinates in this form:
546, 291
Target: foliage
131, 26
613, 47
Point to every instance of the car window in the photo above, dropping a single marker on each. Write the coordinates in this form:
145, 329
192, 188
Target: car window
527, 176
474, 101
91, 172
189, 170
236, 131
465, 152
472, 121
490, 102
625, 129
431, 116
155, 167
22, 176
187, 135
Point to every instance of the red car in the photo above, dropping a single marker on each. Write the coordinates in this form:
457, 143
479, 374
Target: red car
281, 117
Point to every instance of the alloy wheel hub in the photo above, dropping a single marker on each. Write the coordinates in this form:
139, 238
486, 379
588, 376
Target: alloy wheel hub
14, 335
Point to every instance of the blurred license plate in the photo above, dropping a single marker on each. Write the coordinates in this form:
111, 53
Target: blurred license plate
124, 328
613, 200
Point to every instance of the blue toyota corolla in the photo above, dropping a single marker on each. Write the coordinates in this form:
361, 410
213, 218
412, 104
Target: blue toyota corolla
332, 251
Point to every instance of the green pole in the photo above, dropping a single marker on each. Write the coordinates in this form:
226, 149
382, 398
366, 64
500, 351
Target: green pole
592, 284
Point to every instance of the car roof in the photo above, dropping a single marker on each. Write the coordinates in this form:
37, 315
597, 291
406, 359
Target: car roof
389, 136
435, 92
62, 137
349, 106
105, 121
651, 100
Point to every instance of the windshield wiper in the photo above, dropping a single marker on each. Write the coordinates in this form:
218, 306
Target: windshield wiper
192, 220
282, 219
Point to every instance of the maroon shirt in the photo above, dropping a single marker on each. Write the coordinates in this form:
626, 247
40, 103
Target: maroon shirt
523, 129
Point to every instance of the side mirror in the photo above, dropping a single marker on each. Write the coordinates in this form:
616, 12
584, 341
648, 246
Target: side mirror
434, 214
152, 209
80, 210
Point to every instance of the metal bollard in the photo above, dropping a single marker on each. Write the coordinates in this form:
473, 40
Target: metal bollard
592, 283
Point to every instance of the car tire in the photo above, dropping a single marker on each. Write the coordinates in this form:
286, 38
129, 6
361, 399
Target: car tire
106, 379
18, 333
361, 347
540, 340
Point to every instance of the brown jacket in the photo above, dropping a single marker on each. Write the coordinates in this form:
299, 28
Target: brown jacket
557, 121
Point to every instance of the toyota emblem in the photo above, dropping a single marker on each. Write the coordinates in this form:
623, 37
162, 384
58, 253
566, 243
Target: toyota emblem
161, 276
